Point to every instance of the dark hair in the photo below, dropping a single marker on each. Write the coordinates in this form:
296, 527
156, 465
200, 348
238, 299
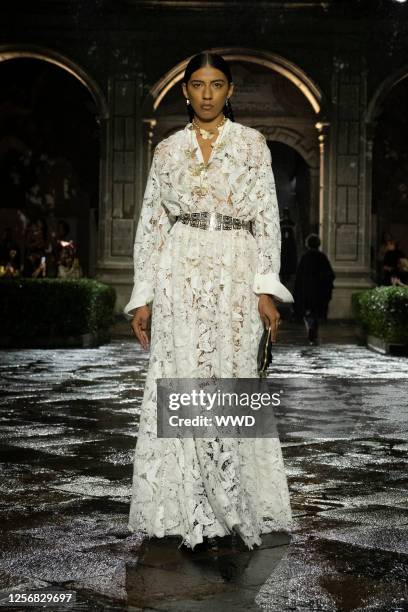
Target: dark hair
215, 61
313, 241
44, 226
66, 227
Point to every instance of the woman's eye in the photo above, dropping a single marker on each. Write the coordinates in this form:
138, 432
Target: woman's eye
196, 85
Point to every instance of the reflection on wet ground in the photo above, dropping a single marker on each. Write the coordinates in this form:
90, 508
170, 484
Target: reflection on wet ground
68, 428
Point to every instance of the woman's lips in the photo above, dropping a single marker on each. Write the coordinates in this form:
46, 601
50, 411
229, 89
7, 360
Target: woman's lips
206, 106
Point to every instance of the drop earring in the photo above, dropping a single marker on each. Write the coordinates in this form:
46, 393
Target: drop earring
187, 101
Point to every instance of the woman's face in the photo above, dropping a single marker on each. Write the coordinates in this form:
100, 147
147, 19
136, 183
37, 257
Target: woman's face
207, 91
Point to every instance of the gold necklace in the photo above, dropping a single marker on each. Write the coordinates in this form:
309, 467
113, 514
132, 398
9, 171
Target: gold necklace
206, 134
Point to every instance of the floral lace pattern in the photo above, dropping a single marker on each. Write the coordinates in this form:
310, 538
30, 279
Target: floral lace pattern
205, 323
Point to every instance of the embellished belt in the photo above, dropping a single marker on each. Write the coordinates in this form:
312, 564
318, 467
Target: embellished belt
214, 221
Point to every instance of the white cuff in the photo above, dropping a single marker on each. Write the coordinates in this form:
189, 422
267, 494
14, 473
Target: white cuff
270, 283
142, 294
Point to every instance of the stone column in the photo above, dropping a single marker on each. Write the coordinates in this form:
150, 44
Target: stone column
121, 185
347, 227
372, 222
324, 191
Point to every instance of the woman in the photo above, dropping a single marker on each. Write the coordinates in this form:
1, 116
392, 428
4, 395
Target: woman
211, 287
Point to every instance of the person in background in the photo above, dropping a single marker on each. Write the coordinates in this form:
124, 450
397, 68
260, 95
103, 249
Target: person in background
35, 246
12, 267
392, 254
386, 237
313, 287
59, 243
66, 258
400, 276
76, 269
9, 249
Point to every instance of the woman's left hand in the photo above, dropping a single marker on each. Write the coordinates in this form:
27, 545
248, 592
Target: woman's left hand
269, 314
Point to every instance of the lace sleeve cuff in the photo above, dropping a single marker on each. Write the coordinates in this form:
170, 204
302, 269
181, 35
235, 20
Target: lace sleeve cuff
270, 283
141, 295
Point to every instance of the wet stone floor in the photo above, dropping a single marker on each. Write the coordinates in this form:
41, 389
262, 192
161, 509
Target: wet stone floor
68, 427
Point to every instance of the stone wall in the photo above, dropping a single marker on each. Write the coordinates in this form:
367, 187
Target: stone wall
121, 50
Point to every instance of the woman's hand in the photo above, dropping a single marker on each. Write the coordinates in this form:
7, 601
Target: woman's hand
140, 325
269, 314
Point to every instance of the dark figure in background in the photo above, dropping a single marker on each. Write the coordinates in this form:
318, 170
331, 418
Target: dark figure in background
60, 238
59, 242
65, 261
36, 247
288, 248
9, 249
400, 276
313, 287
11, 268
390, 262
386, 237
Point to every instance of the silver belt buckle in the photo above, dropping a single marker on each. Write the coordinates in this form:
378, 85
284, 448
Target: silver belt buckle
215, 221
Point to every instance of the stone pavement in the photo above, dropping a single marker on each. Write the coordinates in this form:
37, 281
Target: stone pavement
68, 429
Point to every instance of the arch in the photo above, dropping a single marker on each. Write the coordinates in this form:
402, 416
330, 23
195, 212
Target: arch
382, 92
293, 139
275, 62
10, 52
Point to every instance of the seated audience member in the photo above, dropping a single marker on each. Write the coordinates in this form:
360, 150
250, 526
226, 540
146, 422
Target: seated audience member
11, 266
391, 257
400, 276
35, 245
68, 266
9, 249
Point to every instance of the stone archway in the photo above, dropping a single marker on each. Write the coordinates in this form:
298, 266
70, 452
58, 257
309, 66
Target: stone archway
10, 52
92, 242
382, 92
309, 153
270, 60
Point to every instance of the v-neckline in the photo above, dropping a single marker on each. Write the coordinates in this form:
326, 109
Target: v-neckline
216, 142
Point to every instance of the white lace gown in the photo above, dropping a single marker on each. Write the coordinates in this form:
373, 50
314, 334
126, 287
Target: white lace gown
204, 286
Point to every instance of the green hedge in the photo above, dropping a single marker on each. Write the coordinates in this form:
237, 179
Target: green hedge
55, 308
383, 312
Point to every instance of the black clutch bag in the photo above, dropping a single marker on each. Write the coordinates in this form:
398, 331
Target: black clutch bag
265, 352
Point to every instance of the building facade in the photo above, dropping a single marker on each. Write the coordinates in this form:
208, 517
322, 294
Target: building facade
313, 77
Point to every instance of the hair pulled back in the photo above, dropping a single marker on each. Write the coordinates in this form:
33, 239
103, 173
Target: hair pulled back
215, 61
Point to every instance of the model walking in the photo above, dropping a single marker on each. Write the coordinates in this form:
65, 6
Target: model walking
209, 286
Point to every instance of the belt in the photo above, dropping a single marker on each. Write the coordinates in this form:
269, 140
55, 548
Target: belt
214, 221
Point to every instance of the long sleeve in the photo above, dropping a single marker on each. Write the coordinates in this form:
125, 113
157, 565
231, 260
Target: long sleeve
152, 229
267, 233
